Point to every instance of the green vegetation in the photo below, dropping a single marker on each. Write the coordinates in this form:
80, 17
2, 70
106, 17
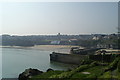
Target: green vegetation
89, 70
112, 66
118, 66
48, 74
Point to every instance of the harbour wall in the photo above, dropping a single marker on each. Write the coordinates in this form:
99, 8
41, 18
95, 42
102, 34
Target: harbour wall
67, 58
77, 58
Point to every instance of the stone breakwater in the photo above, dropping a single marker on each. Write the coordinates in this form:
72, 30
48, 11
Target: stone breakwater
67, 58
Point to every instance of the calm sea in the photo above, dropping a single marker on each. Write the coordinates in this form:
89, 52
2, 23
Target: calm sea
15, 61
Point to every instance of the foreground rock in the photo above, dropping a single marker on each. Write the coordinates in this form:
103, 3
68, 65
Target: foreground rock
28, 73
50, 70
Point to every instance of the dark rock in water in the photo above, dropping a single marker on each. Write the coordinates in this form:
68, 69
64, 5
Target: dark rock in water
28, 73
50, 69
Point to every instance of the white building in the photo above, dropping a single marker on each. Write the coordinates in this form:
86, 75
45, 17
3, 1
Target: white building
55, 42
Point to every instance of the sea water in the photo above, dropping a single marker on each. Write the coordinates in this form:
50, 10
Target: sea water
15, 61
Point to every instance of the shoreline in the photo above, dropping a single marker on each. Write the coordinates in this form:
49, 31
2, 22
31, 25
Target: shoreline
52, 48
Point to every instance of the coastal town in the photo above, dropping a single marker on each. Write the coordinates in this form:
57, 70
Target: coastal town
94, 40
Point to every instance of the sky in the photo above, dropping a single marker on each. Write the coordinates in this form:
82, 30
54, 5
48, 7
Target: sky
44, 18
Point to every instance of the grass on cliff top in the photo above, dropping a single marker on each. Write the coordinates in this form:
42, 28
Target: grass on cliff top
68, 74
94, 72
47, 74
76, 73
111, 74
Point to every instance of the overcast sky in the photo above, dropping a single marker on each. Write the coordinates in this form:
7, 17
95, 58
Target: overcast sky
59, 17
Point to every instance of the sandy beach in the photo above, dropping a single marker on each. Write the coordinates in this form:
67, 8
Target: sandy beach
55, 48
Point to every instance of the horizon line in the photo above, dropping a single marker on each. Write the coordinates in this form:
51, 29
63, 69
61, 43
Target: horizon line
56, 34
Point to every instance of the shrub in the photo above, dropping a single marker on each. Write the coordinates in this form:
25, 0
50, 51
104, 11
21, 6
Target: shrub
118, 66
113, 65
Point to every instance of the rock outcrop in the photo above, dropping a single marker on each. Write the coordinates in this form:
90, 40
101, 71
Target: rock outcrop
28, 73
50, 70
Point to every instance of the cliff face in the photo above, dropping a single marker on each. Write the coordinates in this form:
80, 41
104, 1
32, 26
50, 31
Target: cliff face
67, 58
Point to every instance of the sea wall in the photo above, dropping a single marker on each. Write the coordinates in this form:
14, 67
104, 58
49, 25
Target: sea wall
67, 58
